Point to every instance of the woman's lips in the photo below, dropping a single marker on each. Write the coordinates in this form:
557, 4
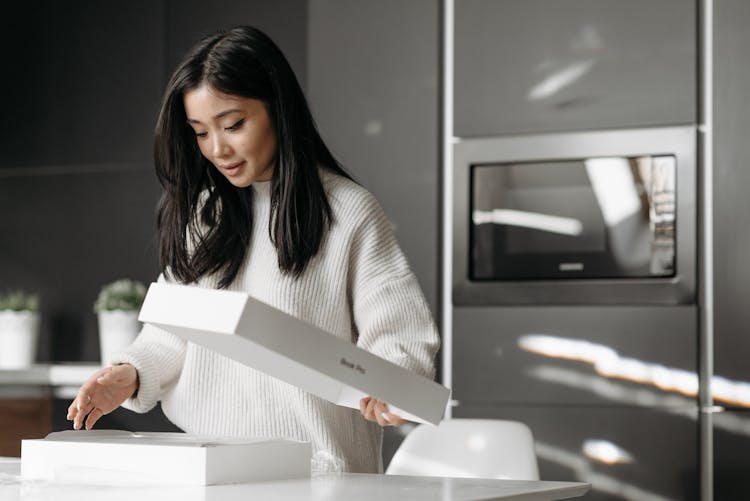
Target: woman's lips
234, 169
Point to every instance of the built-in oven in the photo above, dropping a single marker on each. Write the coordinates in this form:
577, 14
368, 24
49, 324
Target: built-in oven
584, 217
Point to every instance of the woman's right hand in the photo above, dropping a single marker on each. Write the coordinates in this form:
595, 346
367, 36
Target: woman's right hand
102, 393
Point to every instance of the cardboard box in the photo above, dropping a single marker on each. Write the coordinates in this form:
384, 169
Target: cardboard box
111, 456
266, 339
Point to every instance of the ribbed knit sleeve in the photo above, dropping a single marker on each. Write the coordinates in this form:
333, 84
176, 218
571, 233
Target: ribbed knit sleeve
391, 315
158, 357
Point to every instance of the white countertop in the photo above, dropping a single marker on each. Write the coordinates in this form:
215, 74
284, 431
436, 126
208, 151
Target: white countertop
346, 486
64, 379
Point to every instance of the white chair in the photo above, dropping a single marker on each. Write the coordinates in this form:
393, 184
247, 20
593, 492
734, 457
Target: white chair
468, 448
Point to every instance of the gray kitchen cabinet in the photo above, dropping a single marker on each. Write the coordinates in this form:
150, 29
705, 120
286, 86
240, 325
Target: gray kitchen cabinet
536, 66
731, 173
575, 355
625, 453
731, 454
731, 182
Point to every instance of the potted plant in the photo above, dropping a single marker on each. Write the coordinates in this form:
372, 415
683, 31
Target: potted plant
117, 308
19, 329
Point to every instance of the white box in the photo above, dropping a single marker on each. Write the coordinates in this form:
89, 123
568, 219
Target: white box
111, 456
255, 334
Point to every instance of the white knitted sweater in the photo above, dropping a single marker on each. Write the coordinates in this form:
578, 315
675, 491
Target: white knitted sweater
358, 287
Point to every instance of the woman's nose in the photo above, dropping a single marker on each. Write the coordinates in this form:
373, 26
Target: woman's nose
220, 148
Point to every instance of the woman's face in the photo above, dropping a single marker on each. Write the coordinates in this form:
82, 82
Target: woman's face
233, 133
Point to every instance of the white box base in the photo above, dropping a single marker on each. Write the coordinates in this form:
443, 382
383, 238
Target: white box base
109, 456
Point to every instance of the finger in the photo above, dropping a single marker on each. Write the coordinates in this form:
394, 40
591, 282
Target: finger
396, 420
370, 409
381, 414
393, 419
84, 407
72, 410
363, 404
84, 395
75, 406
93, 418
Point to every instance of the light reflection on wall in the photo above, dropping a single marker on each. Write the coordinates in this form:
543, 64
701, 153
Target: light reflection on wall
608, 363
560, 79
599, 481
605, 452
563, 71
616, 392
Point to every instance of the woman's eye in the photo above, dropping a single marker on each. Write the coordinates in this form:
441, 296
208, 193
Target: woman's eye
201, 134
236, 125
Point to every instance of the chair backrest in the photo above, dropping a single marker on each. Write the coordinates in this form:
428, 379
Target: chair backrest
469, 448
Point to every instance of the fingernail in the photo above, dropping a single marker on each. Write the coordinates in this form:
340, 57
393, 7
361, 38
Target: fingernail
385, 416
100, 379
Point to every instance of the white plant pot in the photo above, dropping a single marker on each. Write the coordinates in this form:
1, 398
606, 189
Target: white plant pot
117, 330
19, 334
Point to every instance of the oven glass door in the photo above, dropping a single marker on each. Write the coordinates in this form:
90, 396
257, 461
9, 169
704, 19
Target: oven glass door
608, 217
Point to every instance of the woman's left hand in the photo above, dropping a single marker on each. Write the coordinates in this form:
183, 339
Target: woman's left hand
376, 410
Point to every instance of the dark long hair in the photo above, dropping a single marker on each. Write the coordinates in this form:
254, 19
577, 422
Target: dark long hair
202, 234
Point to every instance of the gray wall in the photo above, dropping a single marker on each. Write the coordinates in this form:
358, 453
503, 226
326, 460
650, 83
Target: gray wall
285, 21
77, 190
77, 187
373, 89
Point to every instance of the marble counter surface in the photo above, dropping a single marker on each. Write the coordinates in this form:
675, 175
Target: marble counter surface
346, 486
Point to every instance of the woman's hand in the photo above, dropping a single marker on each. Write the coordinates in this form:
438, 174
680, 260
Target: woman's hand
376, 410
102, 393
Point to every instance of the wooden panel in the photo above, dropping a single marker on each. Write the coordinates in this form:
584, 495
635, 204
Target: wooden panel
23, 418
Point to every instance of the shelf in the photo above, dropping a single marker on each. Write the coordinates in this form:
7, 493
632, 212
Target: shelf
63, 379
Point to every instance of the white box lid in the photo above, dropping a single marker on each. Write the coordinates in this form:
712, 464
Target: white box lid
260, 336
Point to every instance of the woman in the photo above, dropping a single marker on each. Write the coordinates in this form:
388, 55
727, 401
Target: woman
254, 201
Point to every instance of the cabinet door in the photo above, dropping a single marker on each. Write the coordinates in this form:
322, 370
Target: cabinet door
639, 355
731, 437
546, 65
731, 247
22, 418
624, 453
731, 202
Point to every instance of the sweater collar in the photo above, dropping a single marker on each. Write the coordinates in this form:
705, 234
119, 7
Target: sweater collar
262, 188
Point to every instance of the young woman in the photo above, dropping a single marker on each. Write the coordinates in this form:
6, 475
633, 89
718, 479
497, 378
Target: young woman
254, 201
